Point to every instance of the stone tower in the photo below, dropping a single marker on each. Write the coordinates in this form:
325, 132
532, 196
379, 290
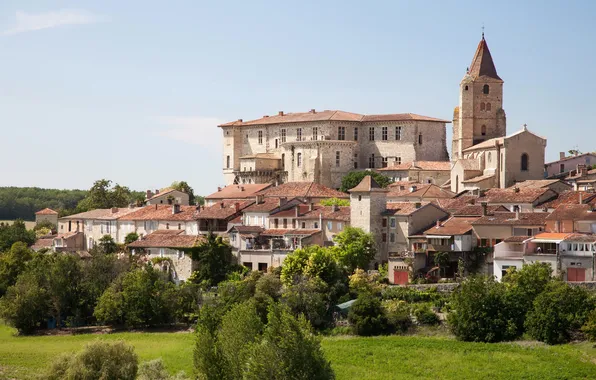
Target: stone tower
480, 115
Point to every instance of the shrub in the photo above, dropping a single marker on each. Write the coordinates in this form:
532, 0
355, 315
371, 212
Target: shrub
398, 315
155, 370
557, 312
367, 316
425, 316
411, 295
308, 297
589, 328
481, 312
131, 237
99, 360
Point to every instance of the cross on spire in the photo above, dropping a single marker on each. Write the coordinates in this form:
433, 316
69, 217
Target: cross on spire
525, 127
482, 30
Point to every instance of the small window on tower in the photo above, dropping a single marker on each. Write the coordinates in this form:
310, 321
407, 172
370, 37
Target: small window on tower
483, 130
466, 88
488, 106
482, 106
485, 89
524, 162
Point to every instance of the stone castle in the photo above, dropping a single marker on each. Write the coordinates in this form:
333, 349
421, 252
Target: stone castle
323, 146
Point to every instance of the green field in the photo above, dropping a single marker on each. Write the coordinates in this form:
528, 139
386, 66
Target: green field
29, 225
380, 358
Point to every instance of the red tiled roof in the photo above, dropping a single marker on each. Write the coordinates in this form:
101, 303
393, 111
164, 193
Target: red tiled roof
302, 190
553, 235
162, 212
581, 238
283, 232
239, 191
509, 218
570, 212
538, 183
42, 243
571, 198
268, 205
325, 212
428, 191
458, 225
167, 239
482, 63
570, 157
510, 195
403, 208
420, 165
516, 239
223, 210
480, 178
476, 210
102, 214
367, 184
46, 211
162, 192
330, 115
454, 204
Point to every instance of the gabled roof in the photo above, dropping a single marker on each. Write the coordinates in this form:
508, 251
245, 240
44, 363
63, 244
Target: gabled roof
162, 212
403, 208
428, 191
456, 225
512, 219
330, 115
302, 190
482, 63
102, 214
163, 192
238, 191
538, 183
592, 154
368, 184
571, 198
222, 210
46, 211
521, 195
294, 232
581, 238
570, 212
325, 212
477, 210
270, 204
167, 239
420, 165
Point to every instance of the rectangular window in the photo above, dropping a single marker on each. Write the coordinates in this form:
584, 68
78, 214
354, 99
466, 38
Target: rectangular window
384, 133
398, 133
371, 161
337, 159
371, 133
384, 222
303, 225
285, 223
228, 162
315, 133
384, 237
562, 168
392, 237
341, 133
355, 160
355, 133
392, 222
398, 160
283, 135
299, 159
260, 134
299, 134
420, 139
329, 226
384, 162
339, 226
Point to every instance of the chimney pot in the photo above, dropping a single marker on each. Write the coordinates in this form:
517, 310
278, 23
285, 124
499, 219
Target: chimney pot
149, 194
438, 224
418, 205
218, 188
313, 111
280, 113
221, 204
240, 120
237, 206
484, 208
114, 210
156, 191
561, 155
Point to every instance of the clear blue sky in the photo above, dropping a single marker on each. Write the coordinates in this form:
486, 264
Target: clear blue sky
132, 91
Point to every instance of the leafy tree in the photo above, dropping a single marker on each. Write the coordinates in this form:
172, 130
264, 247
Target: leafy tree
362, 282
214, 260
308, 296
98, 361
481, 312
12, 264
367, 316
558, 311
185, 188
199, 200
62, 278
45, 224
295, 263
15, 232
25, 304
589, 328
131, 237
103, 195
24, 202
335, 202
107, 244
352, 179
156, 370
355, 248
398, 315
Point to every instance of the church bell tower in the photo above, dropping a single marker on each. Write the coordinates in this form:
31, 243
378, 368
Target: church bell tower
480, 115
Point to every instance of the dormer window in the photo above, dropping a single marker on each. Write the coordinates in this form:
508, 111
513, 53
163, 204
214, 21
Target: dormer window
485, 89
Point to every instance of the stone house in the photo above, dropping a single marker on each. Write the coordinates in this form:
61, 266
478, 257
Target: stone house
494, 228
235, 193
220, 217
166, 197
170, 245
155, 217
565, 164
46, 215
555, 185
569, 218
435, 172
524, 199
323, 146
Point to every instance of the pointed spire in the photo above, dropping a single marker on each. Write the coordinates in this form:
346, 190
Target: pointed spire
482, 64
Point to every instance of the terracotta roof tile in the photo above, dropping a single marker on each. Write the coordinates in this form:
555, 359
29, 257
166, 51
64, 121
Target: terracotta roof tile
538, 183
476, 210
581, 238
161, 193
511, 195
402, 117
167, 239
427, 191
102, 214
367, 184
570, 212
46, 211
482, 63
457, 225
571, 198
453, 204
238, 191
326, 213
510, 219
162, 212
223, 210
42, 243
283, 232
516, 239
480, 178
302, 190
571, 157
403, 208
268, 205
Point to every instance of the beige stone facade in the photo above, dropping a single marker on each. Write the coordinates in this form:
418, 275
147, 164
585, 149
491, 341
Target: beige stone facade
323, 146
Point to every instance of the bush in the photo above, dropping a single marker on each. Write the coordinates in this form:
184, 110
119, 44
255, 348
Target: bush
398, 315
99, 360
425, 316
155, 370
589, 328
367, 316
308, 297
481, 312
557, 312
411, 295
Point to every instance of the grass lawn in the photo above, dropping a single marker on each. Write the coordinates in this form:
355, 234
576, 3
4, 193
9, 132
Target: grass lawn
395, 357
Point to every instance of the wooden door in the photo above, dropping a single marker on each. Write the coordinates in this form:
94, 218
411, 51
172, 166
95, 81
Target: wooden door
576, 274
400, 277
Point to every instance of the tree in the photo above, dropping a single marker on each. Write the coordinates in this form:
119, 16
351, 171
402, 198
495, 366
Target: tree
103, 195
335, 202
131, 237
367, 316
308, 297
25, 304
99, 360
558, 311
107, 244
481, 313
214, 260
355, 248
185, 188
295, 263
12, 264
15, 232
350, 180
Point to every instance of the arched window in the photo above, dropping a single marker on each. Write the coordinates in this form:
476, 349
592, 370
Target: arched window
488, 106
482, 106
483, 130
485, 89
466, 88
524, 162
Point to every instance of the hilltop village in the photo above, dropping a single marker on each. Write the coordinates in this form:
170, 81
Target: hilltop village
494, 202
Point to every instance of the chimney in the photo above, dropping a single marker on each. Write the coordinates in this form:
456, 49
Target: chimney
221, 204
484, 208
413, 188
156, 191
280, 113
516, 189
311, 206
156, 206
418, 205
218, 188
313, 111
557, 226
438, 224
240, 120
561, 155
149, 194
114, 210
237, 206
175, 208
